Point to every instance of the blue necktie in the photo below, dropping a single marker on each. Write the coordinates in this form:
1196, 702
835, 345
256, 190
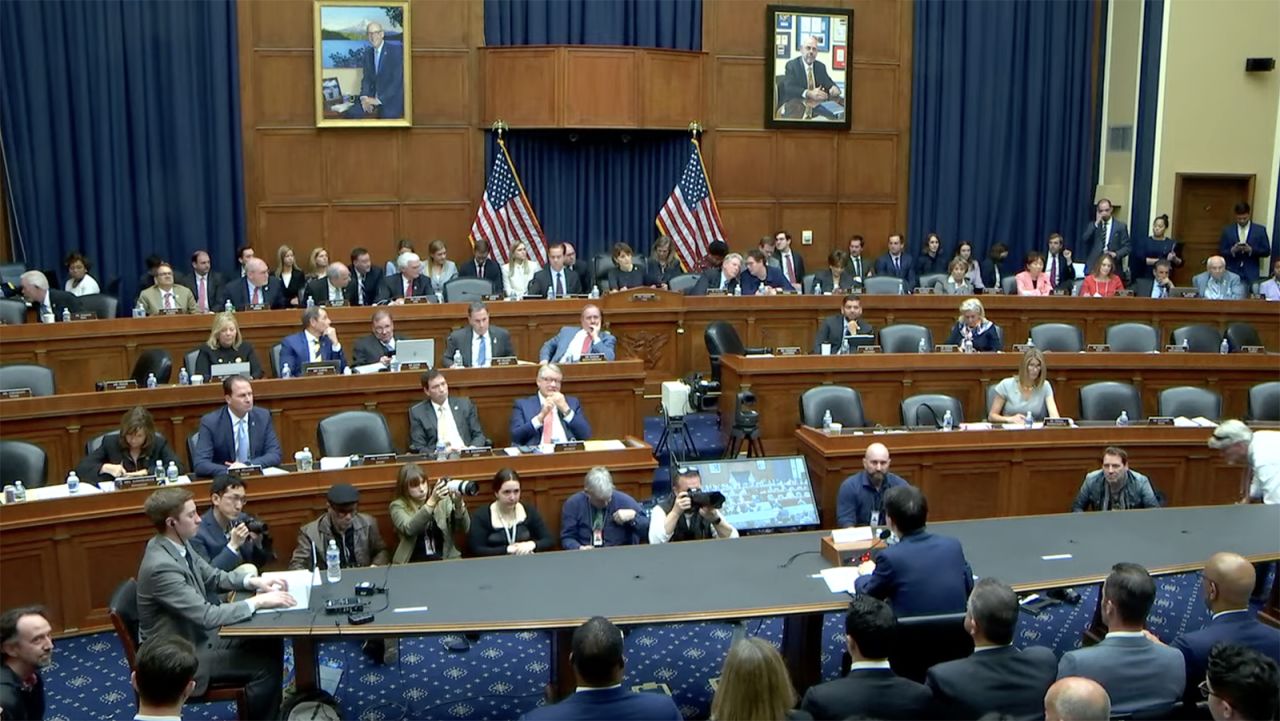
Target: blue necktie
482, 357
242, 441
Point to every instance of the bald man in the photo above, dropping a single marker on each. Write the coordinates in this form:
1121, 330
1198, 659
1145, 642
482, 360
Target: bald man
1218, 283
860, 501
1227, 580
256, 288
1076, 698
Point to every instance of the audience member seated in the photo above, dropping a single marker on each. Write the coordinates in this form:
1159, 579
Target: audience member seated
431, 427
164, 677
860, 500
49, 302
931, 260
365, 278
1033, 280
165, 295
1270, 289
663, 264
224, 538
205, 284
1114, 487
1057, 262
991, 270
922, 573
132, 452
1242, 243
871, 690
238, 435
897, 264
859, 267
173, 582
404, 245
957, 281
676, 518
333, 289
380, 345
319, 263
1159, 285
964, 252
292, 279
754, 685
848, 322
243, 254
317, 342
1025, 395
427, 517
717, 251
1103, 282
625, 273
596, 652
226, 345
1159, 247
558, 277
571, 344
765, 246
836, 278
973, 332
601, 515
1138, 673
256, 288
1241, 683
517, 274
762, 278
725, 277
26, 645
478, 342
1218, 283
548, 416
481, 266
1105, 236
1075, 698
79, 282
999, 677
507, 526
408, 283
789, 262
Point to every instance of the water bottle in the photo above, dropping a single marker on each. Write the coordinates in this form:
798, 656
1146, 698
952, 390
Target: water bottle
967, 346
1123, 418
171, 473
826, 421
1030, 420
922, 347
160, 471
73, 482
442, 451
151, 380
1186, 347
332, 562
1225, 348
737, 289
947, 421
285, 371
19, 492
817, 288
457, 359
66, 315
551, 292
760, 289
311, 302
139, 311
184, 378
439, 296
595, 292
228, 307
844, 345
307, 459
1030, 343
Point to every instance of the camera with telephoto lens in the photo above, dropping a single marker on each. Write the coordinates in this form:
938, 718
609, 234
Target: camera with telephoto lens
265, 551
253, 523
709, 499
466, 488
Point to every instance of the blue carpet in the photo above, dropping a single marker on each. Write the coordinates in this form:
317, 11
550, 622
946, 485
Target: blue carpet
708, 439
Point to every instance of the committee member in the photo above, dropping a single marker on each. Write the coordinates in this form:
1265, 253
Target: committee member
1115, 487
973, 332
677, 519
1241, 683
240, 434
1033, 280
896, 263
79, 281
173, 582
26, 644
548, 416
625, 273
258, 288
601, 515
1243, 243
558, 277
317, 342
427, 516
1270, 288
860, 500
366, 278
762, 278
663, 265
224, 538
835, 278
1058, 264
805, 77
441, 420
571, 344
519, 271
1105, 236
1075, 698
848, 322
957, 281
131, 451
1218, 283
166, 296
508, 526
922, 573
1159, 285
333, 289
481, 266
380, 345
381, 77
226, 345
478, 342
1027, 394
49, 302
293, 280
408, 283
1104, 281
726, 277
1157, 247
205, 283
164, 677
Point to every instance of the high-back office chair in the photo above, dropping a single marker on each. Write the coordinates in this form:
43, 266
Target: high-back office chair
1058, 337
1133, 338
924, 641
928, 409
1103, 401
928, 280
882, 285
1009, 285
152, 360
721, 337
467, 290
12, 312
27, 375
1264, 402
100, 304
193, 440
602, 263
683, 283
22, 461
1240, 334
1191, 402
844, 403
354, 432
189, 361
1200, 338
275, 360
905, 338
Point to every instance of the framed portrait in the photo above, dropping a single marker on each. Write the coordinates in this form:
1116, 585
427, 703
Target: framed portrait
808, 86
362, 63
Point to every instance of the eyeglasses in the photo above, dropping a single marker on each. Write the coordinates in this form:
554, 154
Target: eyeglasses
1205, 691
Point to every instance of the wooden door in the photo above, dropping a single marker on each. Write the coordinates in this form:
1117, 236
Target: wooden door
1204, 204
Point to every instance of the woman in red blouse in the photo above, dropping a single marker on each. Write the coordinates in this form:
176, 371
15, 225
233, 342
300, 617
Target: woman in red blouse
1104, 282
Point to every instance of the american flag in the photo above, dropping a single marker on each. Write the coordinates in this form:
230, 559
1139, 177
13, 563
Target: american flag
690, 217
505, 216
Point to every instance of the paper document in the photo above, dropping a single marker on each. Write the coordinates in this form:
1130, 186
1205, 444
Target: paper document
274, 471
603, 445
840, 579
852, 535
299, 587
1197, 422
373, 367
333, 463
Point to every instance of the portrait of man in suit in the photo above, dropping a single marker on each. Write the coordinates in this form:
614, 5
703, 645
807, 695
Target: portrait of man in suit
809, 87
362, 74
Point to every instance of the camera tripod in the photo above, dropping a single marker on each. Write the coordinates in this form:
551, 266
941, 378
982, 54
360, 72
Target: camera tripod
675, 425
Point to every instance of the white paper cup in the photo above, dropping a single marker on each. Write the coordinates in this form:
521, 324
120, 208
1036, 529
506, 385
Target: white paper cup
826, 349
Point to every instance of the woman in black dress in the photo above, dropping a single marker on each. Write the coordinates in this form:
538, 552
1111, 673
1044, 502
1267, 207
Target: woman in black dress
226, 345
132, 452
663, 263
625, 273
508, 526
292, 279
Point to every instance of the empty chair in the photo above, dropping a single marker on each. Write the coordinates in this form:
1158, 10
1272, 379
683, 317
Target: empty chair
12, 312
466, 290
193, 440
22, 461
27, 375
928, 409
844, 403
925, 641
806, 284
1076, 285
721, 337
1009, 285
1240, 334
1133, 338
991, 400
1103, 401
602, 263
1264, 402
928, 280
1191, 402
882, 285
905, 338
683, 282
1058, 337
275, 360
354, 432
189, 360
100, 304
11, 272
152, 360
1200, 338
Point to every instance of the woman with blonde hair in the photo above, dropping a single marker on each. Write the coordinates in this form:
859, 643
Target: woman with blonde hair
439, 268
663, 264
426, 516
517, 273
973, 332
754, 685
292, 279
319, 263
1026, 394
226, 345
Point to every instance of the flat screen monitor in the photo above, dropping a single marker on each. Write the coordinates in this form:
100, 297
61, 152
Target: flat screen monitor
222, 370
763, 494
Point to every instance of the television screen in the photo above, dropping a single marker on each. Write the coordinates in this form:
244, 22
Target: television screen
762, 494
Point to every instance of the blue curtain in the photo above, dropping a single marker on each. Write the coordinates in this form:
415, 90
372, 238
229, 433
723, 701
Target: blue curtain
1144, 147
671, 24
595, 188
122, 132
1001, 123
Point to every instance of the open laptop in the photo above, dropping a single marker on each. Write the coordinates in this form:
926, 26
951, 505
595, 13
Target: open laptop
222, 370
416, 351
855, 341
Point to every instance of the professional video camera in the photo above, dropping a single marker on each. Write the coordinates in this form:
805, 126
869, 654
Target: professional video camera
708, 499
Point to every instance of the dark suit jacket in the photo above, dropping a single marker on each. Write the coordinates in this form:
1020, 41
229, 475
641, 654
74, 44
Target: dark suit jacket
525, 409
832, 331
110, 451
1239, 627
492, 272
920, 575
586, 278
422, 425
772, 278
460, 340
217, 443
369, 349
797, 260
387, 84
1008, 680
318, 290
1092, 240
987, 269
710, 280
237, 291
661, 275
1142, 289
868, 693
1245, 266
210, 542
907, 271
372, 282
213, 288
393, 287
60, 299
1066, 272
209, 356
795, 81
542, 281
619, 703
294, 352
828, 281
293, 289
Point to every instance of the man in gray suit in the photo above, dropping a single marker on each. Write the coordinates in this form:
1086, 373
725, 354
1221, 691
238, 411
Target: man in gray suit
1138, 673
430, 425
172, 584
1218, 283
478, 343
380, 345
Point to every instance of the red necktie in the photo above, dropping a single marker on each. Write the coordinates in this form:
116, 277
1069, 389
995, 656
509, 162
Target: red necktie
586, 345
791, 270
1053, 268
168, 301
408, 289
204, 297
546, 431
257, 295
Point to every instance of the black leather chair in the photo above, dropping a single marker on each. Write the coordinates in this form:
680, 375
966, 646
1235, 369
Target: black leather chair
1009, 285
275, 360
905, 338
1057, 337
882, 285
1133, 338
721, 337
844, 403
602, 263
467, 290
924, 641
683, 283
193, 440
928, 280
100, 304
1241, 334
1264, 402
109, 437
12, 312
22, 461
27, 375
1191, 402
1200, 337
928, 409
1103, 401
153, 360
189, 361
354, 432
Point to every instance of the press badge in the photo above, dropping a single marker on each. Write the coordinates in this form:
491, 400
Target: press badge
875, 518
597, 537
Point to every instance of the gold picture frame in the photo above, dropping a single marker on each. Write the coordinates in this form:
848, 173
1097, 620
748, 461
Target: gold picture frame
359, 46
808, 75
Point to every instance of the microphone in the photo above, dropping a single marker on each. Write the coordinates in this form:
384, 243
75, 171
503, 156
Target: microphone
932, 413
315, 564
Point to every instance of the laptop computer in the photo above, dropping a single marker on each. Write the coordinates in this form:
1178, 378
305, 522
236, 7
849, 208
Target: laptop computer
416, 351
222, 370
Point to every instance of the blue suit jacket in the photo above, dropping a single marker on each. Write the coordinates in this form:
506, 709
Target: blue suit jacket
920, 575
525, 409
1245, 266
387, 84
559, 345
1137, 673
217, 443
773, 278
293, 350
1240, 627
575, 522
613, 703
237, 291
884, 266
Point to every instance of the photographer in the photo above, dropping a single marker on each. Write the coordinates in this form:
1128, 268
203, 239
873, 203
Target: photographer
689, 514
228, 537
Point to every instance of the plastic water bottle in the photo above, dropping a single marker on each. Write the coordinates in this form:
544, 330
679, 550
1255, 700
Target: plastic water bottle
1030, 343
139, 311
1030, 420
184, 378
1186, 347
19, 492
737, 289
457, 358
947, 421
551, 292
967, 346
595, 292
1123, 418
844, 345
73, 482
922, 347
1225, 348
439, 296
228, 307
285, 371
332, 562
308, 460
151, 380
826, 421
442, 451
160, 471
817, 288
171, 473
760, 289
311, 302
66, 315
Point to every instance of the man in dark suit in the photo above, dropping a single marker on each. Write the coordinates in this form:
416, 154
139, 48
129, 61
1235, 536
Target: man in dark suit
897, 264
791, 263
481, 266
727, 277
806, 78
205, 284
430, 425
548, 416
871, 690
581, 266
1228, 579
998, 676
1243, 244
409, 282
1105, 235
859, 267
316, 342
922, 573
49, 302
478, 343
382, 82
762, 278
334, 289
557, 276
223, 539
173, 587
257, 287
598, 665
239, 435
1158, 285
1057, 263
847, 322
366, 278
380, 345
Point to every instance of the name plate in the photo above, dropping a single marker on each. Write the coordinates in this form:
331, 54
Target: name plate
414, 366
868, 349
591, 358
570, 446
1058, 291
946, 348
925, 291
244, 471
1022, 347
787, 350
121, 385
84, 315
168, 311
503, 361
495, 296
1124, 293
991, 291
1098, 348
256, 306
1160, 421
644, 297
1174, 349
1188, 294
377, 459
717, 291
1253, 349
420, 299
475, 452
16, 393
135, 482
1057, 423
335, 303
319, 369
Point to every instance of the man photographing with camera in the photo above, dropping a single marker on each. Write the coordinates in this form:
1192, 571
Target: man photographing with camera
690, 514
228, 537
